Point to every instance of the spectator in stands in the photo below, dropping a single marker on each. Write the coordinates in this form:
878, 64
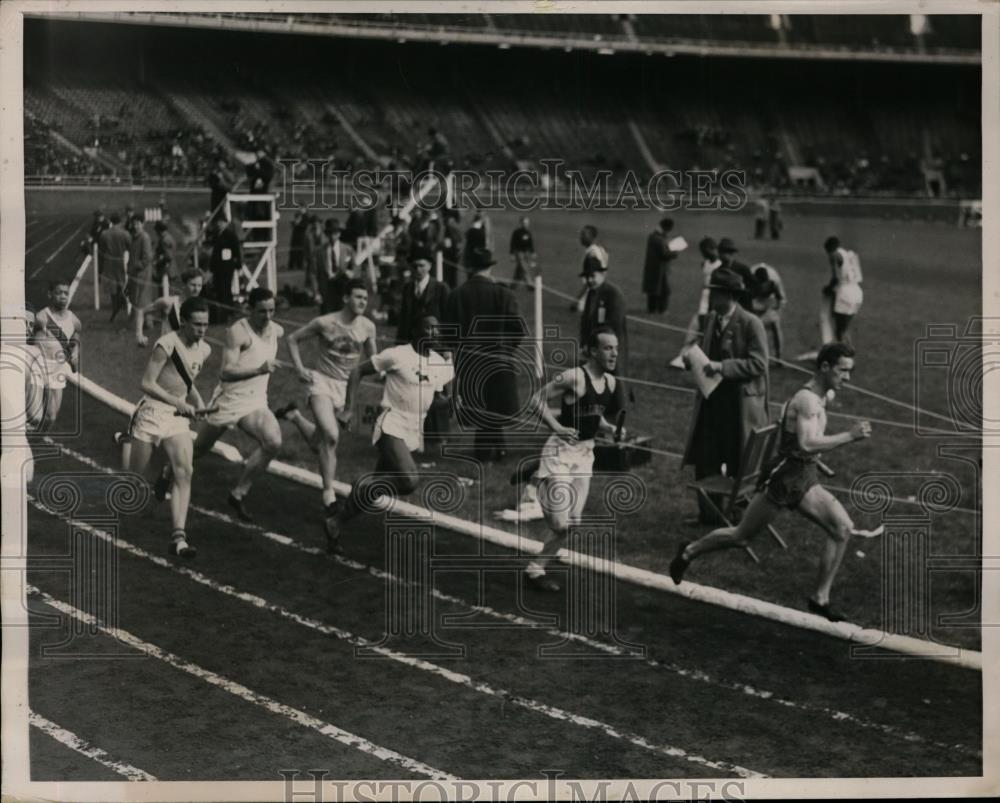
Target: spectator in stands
164, 251
355, 226
656, 269
477, 237
113, 247
140, 264
486, 331
338, 268
452, 247
727, 253
768, 299
221, 182
225, 262
736, 346
522, 252
604, 305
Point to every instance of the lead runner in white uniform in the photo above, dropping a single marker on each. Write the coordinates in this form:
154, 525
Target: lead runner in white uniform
57, 334
344, 336
162, 417
240, 398
413, 374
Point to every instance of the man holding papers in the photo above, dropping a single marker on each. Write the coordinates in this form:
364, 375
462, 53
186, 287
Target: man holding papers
732, 380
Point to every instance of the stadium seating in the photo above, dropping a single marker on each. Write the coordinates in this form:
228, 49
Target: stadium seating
705, 27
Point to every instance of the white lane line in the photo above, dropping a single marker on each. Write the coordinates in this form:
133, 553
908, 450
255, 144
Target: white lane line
74, 742
833, 714
55, 253
238, 690
56, 231
636, 740
646, 578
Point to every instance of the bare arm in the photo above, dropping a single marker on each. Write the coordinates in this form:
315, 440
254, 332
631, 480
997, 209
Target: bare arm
235, 343
151, 386
161, 304
310, 330
809, 428
566, 382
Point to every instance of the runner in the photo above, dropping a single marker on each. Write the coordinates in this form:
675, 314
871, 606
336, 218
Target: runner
168, 308
162, 417
414, 372
56, 332
588, 395
343, 335
791, 481
240, 399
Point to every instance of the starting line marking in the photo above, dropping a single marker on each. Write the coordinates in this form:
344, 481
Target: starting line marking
238, 690
74, 742
871, 637
698, 675
553, 712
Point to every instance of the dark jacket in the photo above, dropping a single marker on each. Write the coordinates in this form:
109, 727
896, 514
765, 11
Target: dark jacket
486, 332
744, 362
606, 306
521, 241
656, 269
433, 301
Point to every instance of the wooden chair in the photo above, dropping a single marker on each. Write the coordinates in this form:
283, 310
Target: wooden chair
740, 488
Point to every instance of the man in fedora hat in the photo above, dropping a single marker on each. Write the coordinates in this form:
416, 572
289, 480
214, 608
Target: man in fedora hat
486, 329
604, 305
727, 253
338, 267
736, 346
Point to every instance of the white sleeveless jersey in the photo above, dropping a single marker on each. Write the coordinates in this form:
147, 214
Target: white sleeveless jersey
184, 363
54, 333
261, 347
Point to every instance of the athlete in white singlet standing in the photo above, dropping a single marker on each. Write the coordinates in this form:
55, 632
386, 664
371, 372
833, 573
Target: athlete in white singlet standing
57, 333
240, 399
163, 415
344, 337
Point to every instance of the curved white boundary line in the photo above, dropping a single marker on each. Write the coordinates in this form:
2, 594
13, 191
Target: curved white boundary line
863, 636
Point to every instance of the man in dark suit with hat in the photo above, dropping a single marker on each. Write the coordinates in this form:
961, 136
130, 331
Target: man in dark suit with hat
604, 305
486, 328
727, 253
736, 346
338, 267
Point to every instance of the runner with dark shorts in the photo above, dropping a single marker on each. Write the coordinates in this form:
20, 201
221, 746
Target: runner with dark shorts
791, 481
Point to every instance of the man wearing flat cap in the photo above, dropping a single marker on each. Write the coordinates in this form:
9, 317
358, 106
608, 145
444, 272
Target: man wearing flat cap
727, 253
736, 346
485, 332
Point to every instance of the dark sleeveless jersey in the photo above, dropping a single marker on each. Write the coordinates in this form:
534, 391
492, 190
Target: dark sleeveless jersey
584, 413
788, 442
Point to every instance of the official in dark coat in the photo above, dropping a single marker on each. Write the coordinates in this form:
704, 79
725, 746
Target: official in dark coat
226, 260
604, 305
338, 267
736, 345
727, 253
656, 269
220, 181
486, 332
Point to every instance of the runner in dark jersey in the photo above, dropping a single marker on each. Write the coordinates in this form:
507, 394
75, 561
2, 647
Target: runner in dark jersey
791, 481
589, 396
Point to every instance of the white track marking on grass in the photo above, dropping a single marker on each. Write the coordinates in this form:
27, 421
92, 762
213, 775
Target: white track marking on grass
742, 603
697, 675
54, 232
458, 678
273, 706
74, 742
56, 253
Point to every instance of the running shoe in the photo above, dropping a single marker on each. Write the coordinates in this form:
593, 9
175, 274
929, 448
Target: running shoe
679, 564
237, 504
331, 526
281, 413
543, 583
179, 547
826, 611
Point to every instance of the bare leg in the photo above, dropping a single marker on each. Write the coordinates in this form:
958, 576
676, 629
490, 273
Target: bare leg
825, 509
306, 428
262, 425
328, 431
758, 515
136, 456
52, 404
562, 500
180, 452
